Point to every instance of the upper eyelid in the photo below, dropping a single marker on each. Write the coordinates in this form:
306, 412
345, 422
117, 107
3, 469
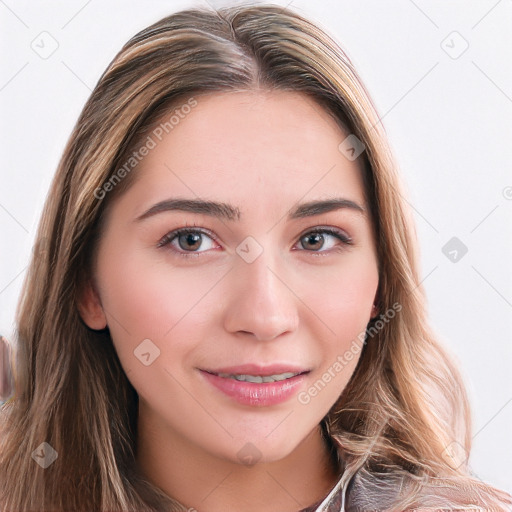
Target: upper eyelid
171, 235
214, 236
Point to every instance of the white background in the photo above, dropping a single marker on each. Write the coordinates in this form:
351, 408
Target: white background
449, 122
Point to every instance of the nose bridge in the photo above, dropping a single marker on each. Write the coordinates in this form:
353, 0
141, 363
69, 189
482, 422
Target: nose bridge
261, 278
262, 303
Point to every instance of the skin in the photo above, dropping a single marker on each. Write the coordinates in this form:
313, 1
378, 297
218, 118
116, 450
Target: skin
300, 301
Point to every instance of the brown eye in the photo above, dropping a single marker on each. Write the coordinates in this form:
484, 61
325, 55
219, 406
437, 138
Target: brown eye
187, 242
315, 240
190, 240
183, 241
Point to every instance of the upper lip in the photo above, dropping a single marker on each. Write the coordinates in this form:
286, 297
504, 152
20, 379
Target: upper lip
256, 369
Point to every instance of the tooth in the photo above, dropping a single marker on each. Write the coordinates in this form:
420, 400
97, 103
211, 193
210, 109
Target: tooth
283, 376
258, 378
254, 378
287, 375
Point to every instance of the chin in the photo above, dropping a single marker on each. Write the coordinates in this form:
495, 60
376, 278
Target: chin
262, 448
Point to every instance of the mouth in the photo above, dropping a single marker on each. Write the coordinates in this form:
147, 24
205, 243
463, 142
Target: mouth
259, 373
256, 385
258, 379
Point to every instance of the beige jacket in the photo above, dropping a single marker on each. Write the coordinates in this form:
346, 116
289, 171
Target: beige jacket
366, 493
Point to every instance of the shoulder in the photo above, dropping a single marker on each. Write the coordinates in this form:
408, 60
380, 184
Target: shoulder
399, 489
368, 491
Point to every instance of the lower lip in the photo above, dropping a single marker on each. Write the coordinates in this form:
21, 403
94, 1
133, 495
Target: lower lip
254, 393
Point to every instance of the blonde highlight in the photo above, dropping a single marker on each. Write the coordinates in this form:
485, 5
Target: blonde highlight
406, 401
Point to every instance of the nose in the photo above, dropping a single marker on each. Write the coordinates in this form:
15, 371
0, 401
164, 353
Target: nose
262, 303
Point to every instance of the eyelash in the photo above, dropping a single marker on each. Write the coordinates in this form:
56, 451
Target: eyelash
169, 237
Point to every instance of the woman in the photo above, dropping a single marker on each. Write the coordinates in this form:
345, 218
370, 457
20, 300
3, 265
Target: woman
225, 311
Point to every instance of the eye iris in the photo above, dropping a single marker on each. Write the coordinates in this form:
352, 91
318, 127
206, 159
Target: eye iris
190, 238
318, 237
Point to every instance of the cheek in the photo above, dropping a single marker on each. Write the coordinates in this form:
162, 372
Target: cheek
136, 288
341, 307
342, 296
153, 300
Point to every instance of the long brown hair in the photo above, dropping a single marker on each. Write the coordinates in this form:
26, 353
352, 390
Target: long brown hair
405, 405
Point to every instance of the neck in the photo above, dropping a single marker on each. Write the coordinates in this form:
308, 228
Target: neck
201, 481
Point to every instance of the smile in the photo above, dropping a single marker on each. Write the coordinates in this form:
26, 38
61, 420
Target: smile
256, 389
258, 378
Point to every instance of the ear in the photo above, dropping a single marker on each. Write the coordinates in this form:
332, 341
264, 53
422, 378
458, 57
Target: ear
90, 308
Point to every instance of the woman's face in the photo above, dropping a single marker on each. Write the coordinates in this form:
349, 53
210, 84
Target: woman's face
255, 288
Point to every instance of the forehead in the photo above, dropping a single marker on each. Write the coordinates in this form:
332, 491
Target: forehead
256, 149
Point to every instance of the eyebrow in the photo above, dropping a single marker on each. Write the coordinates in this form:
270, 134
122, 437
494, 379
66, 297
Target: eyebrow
232, 213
